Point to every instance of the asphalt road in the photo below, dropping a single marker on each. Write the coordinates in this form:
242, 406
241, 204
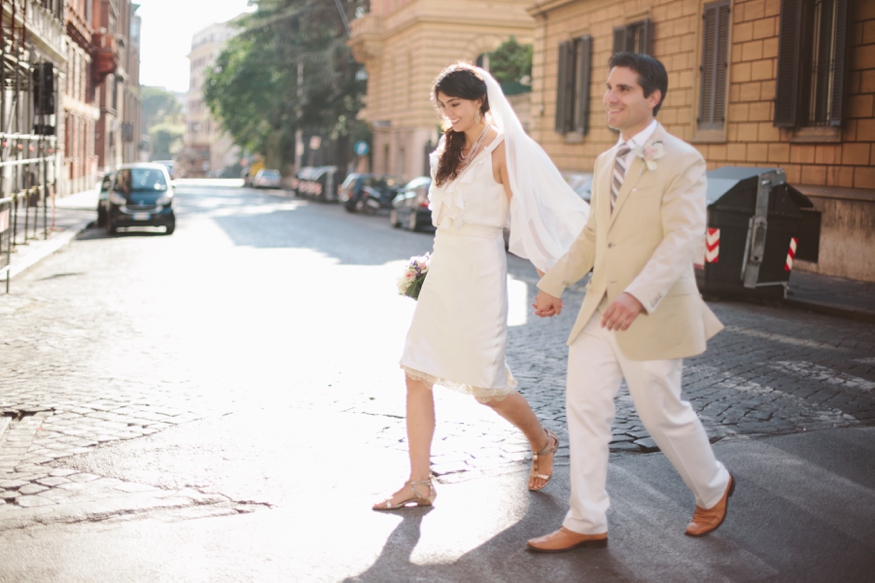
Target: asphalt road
225, 403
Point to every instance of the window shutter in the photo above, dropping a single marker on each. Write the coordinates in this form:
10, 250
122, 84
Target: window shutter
722, 64
789, 51
645, 37
562, 88
619, 39
715, 49
708, 69
841, 39
583, 48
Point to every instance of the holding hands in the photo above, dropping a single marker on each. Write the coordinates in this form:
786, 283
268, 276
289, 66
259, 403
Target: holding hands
619, 315
547, 306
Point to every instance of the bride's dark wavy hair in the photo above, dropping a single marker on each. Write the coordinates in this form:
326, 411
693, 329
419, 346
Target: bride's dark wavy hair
462, 81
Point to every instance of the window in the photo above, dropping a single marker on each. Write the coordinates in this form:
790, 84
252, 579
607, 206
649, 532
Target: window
715, 51
811, 63
633, 38
572, 93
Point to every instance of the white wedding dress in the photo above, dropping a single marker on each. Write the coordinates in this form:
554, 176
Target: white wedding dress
458, 335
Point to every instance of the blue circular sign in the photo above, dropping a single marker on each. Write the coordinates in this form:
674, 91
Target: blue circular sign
361, 148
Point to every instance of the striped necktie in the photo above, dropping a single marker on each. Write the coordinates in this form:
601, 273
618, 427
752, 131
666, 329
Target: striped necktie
619, 172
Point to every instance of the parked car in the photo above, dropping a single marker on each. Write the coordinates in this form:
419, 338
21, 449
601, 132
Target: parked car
358, 189
102, 193
317, 182
140, 196
267, 178
410, 206
169, 164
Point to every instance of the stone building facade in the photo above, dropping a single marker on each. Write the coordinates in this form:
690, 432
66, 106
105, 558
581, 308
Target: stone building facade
404, 44
208, 149
768, 83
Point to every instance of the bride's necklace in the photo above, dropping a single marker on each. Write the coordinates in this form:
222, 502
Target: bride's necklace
473, 151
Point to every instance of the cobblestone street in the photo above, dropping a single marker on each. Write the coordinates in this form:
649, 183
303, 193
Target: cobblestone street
262, 301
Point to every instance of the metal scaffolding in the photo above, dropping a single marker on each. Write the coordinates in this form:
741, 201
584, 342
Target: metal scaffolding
28, 128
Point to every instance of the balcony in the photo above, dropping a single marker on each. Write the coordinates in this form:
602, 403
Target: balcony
106, 56
366, 39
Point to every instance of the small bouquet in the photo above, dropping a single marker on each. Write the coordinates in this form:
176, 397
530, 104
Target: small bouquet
413, 277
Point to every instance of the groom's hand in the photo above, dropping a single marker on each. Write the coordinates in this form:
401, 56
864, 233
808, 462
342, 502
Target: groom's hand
546, 305
622, 312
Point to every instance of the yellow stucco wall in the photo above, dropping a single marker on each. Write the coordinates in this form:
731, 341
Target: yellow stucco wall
404, 45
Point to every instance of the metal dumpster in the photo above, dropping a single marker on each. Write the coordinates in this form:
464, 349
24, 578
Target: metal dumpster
757, 226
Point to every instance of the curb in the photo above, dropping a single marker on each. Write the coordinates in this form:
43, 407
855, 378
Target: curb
832, 309
45, 248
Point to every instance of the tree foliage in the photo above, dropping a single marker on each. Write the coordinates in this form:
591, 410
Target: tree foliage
254, 89
165, 140
160, 106
512, 62
163, 121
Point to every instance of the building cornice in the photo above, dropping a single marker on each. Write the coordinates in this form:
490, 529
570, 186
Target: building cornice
44, 31
542, 7
370, 31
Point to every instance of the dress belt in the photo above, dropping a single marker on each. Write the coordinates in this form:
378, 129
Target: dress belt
481, 231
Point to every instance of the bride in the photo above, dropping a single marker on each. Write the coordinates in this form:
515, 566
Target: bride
484, 170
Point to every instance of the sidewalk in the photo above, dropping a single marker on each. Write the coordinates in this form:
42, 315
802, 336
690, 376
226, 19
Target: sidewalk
72, 214
832, 295
835, 296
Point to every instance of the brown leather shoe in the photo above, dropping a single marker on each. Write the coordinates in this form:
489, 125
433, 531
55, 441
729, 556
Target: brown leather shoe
565, 540
706, 520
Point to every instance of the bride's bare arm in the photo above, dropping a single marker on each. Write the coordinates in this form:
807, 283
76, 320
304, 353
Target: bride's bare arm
499, 169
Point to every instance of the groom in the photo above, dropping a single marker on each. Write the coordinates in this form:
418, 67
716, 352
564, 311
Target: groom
642, 313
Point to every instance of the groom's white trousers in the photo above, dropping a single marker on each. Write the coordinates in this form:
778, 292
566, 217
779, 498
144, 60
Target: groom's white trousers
596, 367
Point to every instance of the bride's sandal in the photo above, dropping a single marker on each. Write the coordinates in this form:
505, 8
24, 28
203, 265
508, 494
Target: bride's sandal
548, 450
417, 497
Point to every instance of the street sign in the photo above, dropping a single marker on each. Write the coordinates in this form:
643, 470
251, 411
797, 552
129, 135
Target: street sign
361, 148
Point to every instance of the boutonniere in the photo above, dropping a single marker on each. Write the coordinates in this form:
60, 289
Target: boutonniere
650, 154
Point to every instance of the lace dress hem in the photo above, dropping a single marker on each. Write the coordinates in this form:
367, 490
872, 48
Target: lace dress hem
482, 395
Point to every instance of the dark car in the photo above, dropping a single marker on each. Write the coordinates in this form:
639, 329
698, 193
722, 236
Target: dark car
351, 192
316, 182
140, 196
102, 193
410, 206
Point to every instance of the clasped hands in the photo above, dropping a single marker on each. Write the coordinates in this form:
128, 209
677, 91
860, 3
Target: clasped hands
619, 315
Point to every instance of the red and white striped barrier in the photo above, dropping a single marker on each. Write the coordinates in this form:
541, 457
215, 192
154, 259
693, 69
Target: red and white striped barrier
791, 255
712, 246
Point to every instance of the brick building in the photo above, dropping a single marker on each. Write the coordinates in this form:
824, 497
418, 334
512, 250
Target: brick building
80, 112
116, 79
778, 83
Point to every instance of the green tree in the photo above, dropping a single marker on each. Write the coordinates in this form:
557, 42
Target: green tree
163, 122
254, 88
511, 62
166, 139
159, 106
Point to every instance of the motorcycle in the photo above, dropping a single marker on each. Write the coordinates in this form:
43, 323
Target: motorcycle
375, 199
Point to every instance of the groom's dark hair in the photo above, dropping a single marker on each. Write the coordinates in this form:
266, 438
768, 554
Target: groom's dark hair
651, 73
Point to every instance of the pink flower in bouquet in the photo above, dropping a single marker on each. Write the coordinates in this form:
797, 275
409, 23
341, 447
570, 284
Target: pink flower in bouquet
410, 282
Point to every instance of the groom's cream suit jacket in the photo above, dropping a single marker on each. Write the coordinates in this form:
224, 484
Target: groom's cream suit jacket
645, 247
